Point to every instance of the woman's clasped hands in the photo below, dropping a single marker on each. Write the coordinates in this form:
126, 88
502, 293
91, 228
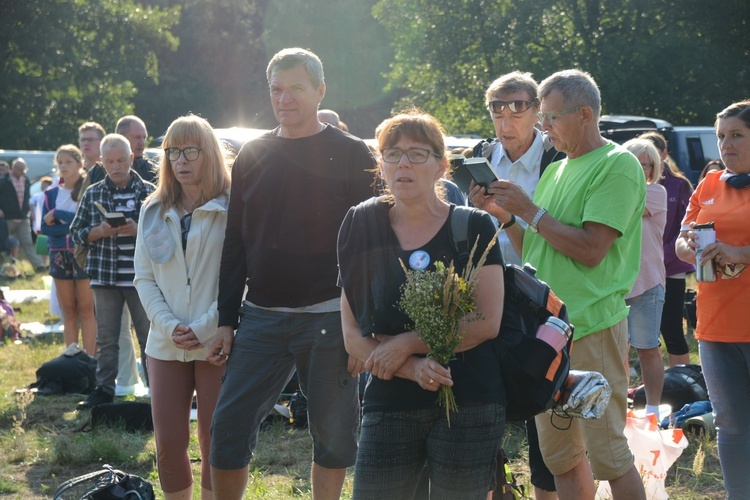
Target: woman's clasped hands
394, 356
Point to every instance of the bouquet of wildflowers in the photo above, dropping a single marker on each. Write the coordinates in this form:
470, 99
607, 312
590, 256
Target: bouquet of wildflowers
438, 302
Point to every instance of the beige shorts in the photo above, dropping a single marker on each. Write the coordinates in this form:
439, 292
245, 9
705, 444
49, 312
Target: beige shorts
565, 442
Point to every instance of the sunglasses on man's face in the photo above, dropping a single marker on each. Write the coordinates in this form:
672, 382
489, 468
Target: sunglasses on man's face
498, 107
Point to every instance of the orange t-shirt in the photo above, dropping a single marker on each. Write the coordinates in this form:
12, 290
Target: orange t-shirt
724, 304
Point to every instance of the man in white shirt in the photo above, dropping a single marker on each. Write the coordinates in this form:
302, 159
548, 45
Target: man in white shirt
519, 154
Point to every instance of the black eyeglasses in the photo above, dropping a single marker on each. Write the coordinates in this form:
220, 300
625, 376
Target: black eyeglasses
498, 107
415, 155
191, 154
185, 226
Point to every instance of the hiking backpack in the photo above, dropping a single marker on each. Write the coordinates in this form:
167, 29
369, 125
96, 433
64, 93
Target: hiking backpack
533, 372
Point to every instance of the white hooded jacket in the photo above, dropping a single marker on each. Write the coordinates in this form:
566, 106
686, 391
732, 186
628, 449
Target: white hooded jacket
175, 286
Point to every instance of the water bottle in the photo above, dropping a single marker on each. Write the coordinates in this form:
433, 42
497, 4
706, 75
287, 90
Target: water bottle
706, 235
555, 332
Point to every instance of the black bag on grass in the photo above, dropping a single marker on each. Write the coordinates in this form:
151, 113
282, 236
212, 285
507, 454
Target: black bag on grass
533, 372
105, 484
72, 372
132, 415
683, 384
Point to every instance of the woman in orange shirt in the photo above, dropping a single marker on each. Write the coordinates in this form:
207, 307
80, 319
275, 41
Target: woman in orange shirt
723, 330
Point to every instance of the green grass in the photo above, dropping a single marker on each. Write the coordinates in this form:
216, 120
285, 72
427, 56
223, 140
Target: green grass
41, 446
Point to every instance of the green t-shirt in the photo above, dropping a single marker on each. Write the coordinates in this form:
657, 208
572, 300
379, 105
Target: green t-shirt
607, 186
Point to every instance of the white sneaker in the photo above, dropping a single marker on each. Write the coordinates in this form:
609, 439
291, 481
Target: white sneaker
124, 390
141, 390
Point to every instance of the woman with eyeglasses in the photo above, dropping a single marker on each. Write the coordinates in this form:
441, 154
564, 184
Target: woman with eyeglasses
646, 299
180, 237
403, 428
723, 330
679, 190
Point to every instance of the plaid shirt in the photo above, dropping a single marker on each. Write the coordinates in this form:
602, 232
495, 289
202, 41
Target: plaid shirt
101, 264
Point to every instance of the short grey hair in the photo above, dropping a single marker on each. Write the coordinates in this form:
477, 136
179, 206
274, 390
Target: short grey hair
124, 123
291, 58
21, 161
510, 83
112, 141
329, 116
577, 87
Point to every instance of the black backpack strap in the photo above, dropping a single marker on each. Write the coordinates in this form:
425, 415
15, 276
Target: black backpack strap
550, 155
70, 483
460, 232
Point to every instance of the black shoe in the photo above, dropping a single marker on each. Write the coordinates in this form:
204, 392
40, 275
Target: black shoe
41, 269
97, 397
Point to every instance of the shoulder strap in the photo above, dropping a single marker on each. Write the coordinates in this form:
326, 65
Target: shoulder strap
550, 154
460, 232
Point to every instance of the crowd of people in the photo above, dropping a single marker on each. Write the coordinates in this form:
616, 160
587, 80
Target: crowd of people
297, 269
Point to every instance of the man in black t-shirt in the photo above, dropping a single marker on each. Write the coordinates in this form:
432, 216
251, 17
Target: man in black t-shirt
291, 188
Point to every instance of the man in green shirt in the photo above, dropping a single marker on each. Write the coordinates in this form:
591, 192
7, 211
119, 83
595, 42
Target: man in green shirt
584, 237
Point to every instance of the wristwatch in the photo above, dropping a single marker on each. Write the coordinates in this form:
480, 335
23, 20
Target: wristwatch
533, 224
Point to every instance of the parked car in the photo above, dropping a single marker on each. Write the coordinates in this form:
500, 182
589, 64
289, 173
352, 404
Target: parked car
690, 147
235, 137
39, 163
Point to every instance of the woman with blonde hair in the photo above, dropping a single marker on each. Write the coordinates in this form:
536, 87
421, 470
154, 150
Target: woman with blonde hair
71, 282
180, 237
679, 190
646, 299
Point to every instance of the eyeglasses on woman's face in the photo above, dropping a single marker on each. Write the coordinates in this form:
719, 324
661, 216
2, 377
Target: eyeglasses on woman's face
415, 155
191, 154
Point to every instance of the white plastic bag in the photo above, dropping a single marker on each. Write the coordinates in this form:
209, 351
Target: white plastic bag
655, 451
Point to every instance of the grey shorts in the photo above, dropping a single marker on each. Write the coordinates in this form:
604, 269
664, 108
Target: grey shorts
267, 348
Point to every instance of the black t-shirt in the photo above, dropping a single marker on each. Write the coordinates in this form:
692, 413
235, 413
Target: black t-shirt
287, 201
476, 372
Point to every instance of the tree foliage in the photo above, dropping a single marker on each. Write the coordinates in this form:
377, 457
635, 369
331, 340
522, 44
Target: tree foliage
679, 60
218, 70
67, 61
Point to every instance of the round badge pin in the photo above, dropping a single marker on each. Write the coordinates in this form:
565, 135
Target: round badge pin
419, 260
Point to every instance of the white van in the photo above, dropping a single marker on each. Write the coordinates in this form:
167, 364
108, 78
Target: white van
40, 163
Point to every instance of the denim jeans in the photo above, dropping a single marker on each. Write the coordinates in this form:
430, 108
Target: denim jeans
109, 303
267, 348
726, 368
644, 318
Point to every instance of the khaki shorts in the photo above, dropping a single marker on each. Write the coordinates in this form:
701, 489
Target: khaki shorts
565, 442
